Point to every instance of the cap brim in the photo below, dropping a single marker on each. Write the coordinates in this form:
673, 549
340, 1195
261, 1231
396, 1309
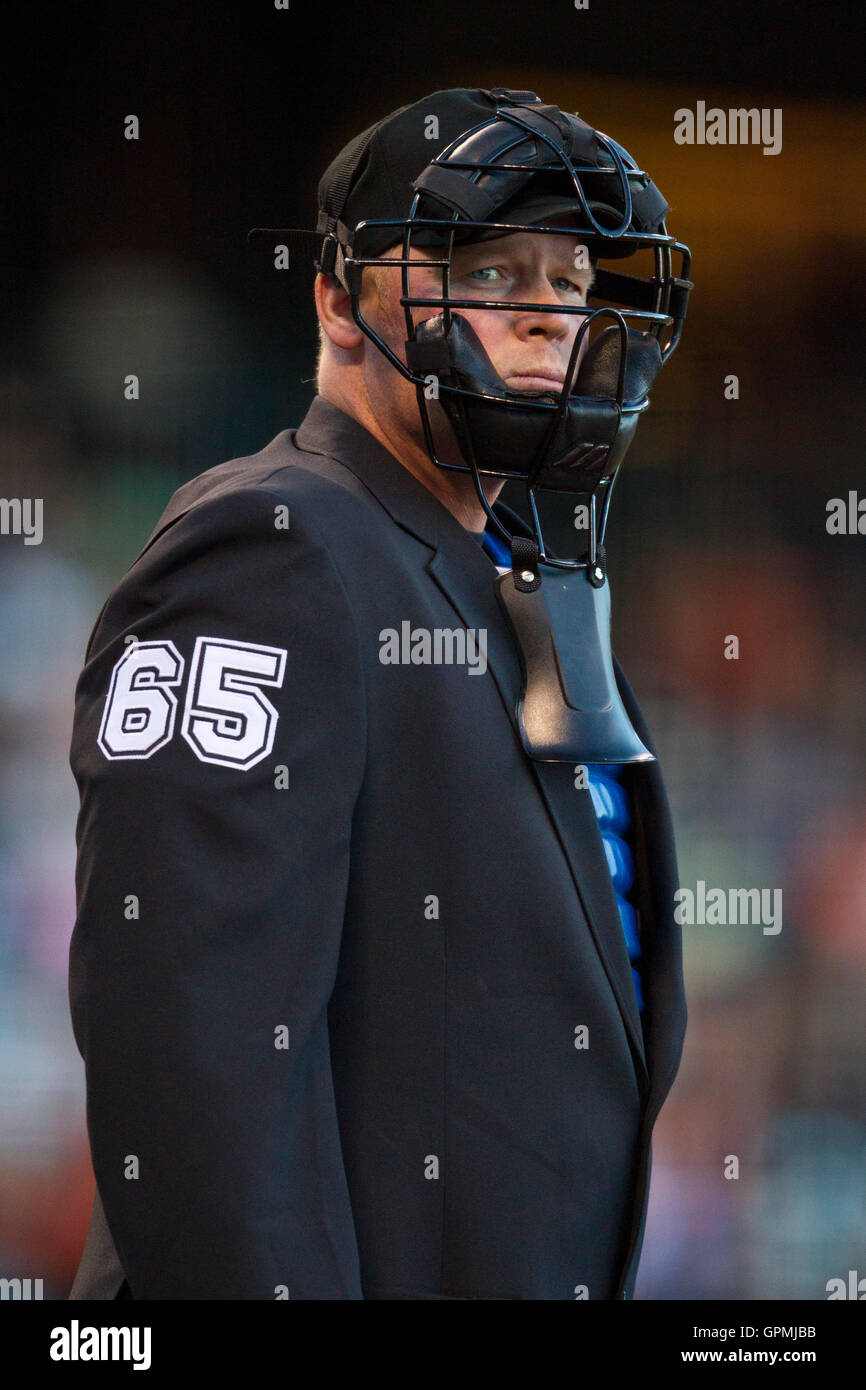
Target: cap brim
526, 212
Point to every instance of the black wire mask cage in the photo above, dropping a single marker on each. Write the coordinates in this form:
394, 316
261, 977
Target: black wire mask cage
568, 441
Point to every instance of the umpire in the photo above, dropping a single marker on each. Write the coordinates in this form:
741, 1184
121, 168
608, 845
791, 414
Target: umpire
372, 1004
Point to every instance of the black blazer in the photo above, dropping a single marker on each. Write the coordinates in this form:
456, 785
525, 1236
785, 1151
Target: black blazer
336, 933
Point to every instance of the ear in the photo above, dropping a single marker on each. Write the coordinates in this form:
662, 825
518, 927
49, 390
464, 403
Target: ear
334, 308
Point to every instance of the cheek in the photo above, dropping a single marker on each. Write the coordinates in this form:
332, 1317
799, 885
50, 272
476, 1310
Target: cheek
382, 308
492, 328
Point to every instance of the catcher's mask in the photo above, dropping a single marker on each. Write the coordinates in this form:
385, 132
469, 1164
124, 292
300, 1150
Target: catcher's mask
520, 166
529, 157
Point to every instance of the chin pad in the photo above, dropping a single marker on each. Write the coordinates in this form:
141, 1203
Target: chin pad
592, 436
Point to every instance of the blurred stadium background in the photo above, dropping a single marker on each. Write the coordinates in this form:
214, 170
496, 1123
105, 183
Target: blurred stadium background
131, 257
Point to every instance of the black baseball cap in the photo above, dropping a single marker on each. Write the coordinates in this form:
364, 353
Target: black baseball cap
373, 177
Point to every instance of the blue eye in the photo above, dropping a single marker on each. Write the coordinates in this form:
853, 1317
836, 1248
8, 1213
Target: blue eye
485, 273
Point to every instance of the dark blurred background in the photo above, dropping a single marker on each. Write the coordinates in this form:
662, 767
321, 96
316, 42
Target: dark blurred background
130, 257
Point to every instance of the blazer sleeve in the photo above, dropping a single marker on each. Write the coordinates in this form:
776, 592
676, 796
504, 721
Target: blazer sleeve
218, 746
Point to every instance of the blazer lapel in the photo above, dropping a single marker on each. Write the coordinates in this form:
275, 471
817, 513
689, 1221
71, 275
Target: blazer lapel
572, 813
469, 588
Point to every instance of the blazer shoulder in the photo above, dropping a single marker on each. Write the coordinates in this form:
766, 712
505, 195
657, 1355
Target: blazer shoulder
321, 489
230, 518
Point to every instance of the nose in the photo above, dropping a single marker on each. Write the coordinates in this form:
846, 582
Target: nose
552, 327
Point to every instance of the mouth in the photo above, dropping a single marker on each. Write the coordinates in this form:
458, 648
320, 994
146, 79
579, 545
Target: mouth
535, 381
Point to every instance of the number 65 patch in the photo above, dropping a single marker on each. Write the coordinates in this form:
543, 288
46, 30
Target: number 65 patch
227, 719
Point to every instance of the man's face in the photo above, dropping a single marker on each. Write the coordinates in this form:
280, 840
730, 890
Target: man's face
529, 349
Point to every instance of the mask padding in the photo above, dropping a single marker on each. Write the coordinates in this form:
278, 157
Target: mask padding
599, 369
463, 356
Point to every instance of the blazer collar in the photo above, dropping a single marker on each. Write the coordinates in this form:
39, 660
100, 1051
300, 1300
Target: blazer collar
328, 430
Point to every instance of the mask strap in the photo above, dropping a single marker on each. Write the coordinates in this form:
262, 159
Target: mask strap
524, 563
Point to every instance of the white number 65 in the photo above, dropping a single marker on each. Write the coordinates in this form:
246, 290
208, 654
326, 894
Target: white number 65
226, 717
